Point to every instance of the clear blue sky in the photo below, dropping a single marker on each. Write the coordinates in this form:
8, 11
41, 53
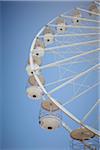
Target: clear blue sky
20, 23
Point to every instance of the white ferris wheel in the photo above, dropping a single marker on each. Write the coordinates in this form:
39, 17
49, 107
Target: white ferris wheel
63, 70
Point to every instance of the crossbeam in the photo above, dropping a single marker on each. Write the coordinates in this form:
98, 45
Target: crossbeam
60, 62
97, 2
69, 114
66, 127
87, 11
58, 81
83, 19
91, 110
80, 94
73, 34
72, 45
78, 26
75, 78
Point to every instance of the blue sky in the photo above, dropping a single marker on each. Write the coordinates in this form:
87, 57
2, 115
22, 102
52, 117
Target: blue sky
20, 23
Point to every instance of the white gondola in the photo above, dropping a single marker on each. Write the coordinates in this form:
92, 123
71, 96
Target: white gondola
38, 49
39, 43
30, 71
36, 60
48, 105
87, 145
93, 8
82, 134
34, 92
33, 82
48, 35
50, 122
76, 15
39, 52
81, 139
61, 25
50, 116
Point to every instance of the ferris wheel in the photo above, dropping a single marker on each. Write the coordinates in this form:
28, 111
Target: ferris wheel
63, 70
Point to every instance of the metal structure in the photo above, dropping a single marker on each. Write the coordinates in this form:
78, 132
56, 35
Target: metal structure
71, 42
50, 116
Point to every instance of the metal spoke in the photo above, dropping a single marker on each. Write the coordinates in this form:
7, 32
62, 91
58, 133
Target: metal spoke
66, 127
68, 59
87, 11
75, 78
73, 35
91, 110
80, 94
73, 117
83, 19
57, 81
78, 26
72, 45
82, 83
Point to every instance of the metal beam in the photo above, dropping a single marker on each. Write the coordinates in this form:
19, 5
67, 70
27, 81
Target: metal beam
80, 94
66, 127
71, 45
91, 110
69, 114
60, 62
75, 78
87, 11
83, 19
73, 34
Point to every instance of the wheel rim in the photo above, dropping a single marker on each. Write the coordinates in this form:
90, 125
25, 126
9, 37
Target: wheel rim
82, 43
